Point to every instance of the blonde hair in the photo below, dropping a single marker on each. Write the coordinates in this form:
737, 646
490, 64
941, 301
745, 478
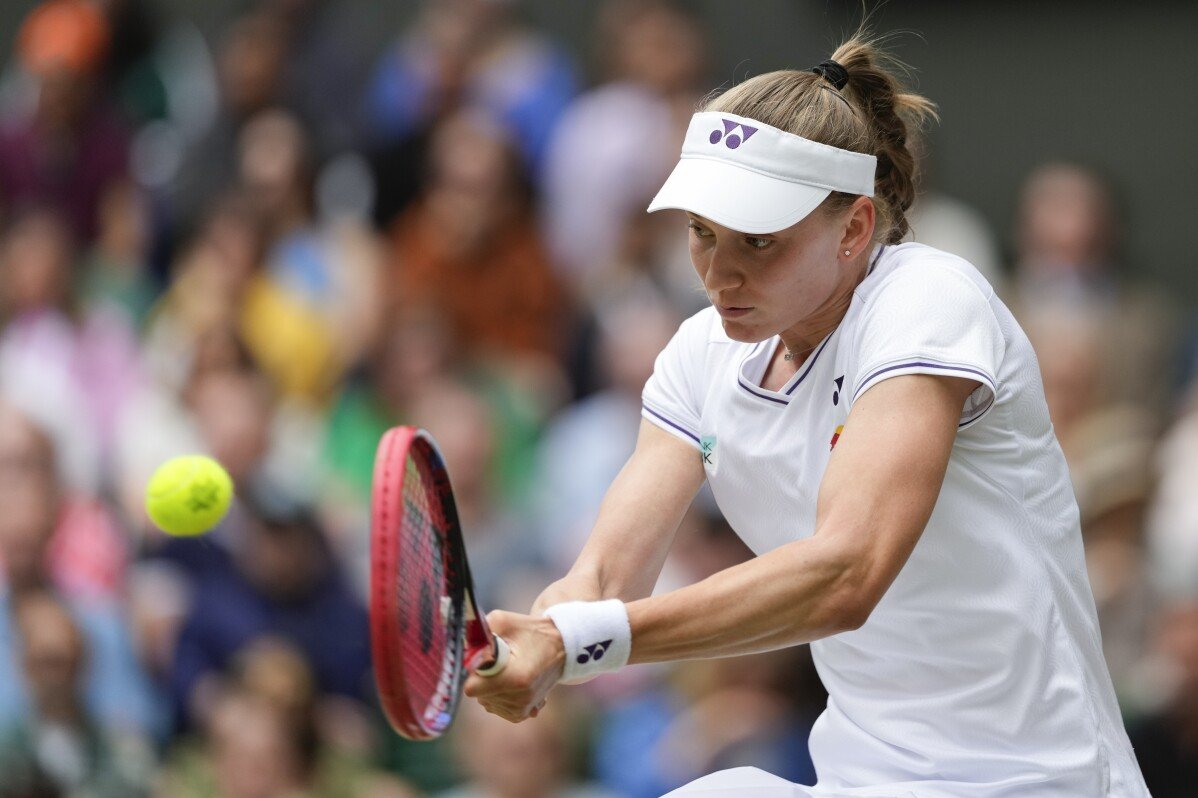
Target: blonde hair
873, 113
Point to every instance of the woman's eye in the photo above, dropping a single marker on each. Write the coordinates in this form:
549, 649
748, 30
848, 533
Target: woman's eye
699, 231
757, 243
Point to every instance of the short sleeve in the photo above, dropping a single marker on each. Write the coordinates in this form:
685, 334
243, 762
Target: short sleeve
929, 318
672, 397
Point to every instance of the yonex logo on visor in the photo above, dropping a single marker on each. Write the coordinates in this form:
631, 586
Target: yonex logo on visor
732, 140
762, 188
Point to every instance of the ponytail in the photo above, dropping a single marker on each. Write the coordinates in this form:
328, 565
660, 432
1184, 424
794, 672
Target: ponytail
856, 101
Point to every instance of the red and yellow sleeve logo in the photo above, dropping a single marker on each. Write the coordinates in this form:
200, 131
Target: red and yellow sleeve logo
836, 436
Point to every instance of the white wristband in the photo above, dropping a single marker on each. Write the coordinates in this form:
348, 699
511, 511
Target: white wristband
596, 635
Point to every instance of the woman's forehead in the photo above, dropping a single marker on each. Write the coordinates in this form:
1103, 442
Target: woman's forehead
783, 233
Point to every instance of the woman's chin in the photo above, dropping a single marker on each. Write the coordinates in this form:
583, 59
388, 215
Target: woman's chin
745, 333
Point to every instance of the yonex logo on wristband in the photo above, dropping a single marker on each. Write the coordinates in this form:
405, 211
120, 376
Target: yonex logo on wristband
732, 140
596, 636
594, 651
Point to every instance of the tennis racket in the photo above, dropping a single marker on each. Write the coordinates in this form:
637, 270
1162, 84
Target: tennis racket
426, 630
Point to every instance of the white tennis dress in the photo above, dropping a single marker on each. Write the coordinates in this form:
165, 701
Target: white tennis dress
980, 673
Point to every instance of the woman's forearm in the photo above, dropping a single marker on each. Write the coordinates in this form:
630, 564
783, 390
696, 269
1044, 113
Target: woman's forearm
637, 521
800, 592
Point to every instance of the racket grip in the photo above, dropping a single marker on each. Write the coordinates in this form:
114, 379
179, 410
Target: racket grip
503, 653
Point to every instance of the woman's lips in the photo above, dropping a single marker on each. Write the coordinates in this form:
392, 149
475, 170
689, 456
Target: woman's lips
731, 312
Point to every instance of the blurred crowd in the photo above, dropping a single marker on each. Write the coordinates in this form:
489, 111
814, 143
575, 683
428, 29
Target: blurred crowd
269, 246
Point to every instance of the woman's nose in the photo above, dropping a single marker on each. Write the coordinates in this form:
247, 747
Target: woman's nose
722, 272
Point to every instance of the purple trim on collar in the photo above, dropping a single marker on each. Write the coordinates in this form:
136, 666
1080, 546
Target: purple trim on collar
874, 262
924, 364
789, 392
756, 392
740, 380
810, 364
665, 420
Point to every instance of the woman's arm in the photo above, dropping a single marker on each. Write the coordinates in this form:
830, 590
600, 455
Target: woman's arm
876, 496
637, 521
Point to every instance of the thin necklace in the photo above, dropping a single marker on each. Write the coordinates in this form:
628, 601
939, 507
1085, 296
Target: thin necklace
788, 355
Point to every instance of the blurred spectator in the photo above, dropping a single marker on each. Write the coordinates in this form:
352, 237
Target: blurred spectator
526, 760
34, 556
216, 274
470, 252
68, 537
327, 273
283, 582
1068, 339
413, 351
254, 751
157, 603
951, 224
755, 712
470, 247
471, 53
232, 411
502, 547
1114, 479
59, 749
1068, 242
249, 68
324, 59
69, 147
604, 426
1166, 743
131, 71
71, 353
1173, 522
615, 144
115, 271
265, 737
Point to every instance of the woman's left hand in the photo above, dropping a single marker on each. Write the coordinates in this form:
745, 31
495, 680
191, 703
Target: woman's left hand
537, 659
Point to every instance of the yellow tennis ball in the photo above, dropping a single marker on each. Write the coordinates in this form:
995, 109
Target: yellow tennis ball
189, 495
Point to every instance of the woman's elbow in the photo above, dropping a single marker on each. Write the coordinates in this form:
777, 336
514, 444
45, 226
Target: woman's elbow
852, 598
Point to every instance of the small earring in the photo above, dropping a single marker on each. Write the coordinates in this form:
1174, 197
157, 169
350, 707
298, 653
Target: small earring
846, 252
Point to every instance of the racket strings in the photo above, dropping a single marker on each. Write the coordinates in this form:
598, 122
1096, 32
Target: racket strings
430, 625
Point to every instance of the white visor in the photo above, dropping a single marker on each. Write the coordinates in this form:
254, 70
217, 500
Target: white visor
755, 178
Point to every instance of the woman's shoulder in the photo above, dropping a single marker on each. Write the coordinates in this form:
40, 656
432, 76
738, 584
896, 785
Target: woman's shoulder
924, 271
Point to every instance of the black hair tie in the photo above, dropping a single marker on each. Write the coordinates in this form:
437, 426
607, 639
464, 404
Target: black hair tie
832, 72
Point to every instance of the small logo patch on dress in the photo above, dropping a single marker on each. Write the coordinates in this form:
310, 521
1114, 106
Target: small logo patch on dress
836, 436
707, 446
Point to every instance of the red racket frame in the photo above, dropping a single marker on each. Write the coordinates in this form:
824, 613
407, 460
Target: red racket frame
412, 716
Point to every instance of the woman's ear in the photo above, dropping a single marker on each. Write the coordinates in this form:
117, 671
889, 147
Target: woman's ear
859, 229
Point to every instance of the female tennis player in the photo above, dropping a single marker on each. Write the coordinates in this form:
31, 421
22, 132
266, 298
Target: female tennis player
871, 421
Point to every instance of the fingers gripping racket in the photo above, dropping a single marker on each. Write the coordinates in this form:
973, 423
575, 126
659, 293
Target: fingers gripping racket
426, 630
